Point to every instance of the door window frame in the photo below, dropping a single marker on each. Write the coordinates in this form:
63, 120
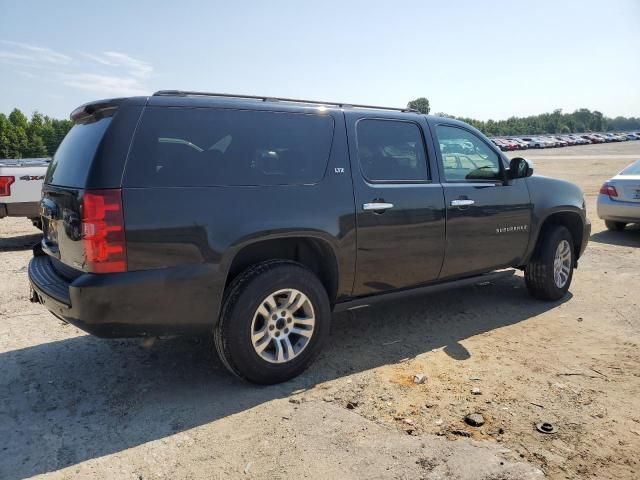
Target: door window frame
472, 181
429, 178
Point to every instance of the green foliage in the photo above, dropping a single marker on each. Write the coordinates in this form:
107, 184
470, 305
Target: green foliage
39, 136
36, 147
582, 120
18, 119
420, 104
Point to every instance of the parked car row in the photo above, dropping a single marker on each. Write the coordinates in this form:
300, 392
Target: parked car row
551, 141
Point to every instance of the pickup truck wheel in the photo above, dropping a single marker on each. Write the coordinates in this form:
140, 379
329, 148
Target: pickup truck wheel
275, 320
615, 226
548, 275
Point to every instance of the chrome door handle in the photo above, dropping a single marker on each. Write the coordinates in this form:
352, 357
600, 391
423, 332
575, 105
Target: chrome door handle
377, 206
462, 203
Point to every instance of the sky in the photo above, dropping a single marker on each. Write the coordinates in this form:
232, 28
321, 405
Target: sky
480, 59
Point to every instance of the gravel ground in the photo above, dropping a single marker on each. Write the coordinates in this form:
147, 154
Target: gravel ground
76, 406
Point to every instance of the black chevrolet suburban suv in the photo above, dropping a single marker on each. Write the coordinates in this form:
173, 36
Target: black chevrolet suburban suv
254, 218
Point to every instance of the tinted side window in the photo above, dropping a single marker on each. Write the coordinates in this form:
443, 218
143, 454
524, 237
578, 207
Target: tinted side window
207, 147
391, 151
466, 157
71, 162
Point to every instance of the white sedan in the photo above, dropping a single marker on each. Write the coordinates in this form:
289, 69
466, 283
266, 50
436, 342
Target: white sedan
619, 198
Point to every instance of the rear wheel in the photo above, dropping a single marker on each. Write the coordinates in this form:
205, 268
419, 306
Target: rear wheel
614, 226
274, 322
548, 275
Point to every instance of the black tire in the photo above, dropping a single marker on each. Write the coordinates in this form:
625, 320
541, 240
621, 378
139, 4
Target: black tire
539, 273
614, 226
232, 334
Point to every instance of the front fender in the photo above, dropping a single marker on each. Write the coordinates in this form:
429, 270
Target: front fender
556, 201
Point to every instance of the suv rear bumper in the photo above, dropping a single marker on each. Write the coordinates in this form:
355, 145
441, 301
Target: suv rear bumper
169, 301
20, 209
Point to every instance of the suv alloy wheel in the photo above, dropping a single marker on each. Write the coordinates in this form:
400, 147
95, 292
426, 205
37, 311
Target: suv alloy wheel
548, 275
274, 322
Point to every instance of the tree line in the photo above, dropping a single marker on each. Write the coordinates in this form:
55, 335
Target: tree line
582, 120
37, 137
40, 135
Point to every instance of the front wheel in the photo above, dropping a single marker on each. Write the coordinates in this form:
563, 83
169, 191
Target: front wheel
274, 322
614, 226
548, 275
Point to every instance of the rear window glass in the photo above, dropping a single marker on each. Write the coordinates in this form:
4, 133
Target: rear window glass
71, 162
208, 147
633, 169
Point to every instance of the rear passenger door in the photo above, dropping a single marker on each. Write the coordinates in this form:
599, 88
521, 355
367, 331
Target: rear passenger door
399, 208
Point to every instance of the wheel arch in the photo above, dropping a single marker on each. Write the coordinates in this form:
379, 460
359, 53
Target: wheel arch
569, 218
312, 251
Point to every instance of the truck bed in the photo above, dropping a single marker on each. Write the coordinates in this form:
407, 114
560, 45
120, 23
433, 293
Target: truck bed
23, 194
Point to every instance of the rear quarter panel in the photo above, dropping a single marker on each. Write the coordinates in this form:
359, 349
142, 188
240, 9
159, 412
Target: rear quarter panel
178, 226
107, 167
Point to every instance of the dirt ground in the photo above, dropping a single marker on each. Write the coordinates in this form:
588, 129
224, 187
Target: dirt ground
74, 406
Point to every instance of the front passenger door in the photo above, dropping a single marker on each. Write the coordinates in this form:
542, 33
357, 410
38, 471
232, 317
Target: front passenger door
488, 219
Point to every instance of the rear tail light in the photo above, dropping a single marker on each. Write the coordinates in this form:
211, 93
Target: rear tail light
5, 185
103, 233
610, 190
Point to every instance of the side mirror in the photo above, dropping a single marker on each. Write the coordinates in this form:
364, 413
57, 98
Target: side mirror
520, 168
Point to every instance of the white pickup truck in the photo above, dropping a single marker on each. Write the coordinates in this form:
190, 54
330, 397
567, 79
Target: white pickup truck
21, 186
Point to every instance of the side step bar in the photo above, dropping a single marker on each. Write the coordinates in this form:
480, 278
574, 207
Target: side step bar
417, 291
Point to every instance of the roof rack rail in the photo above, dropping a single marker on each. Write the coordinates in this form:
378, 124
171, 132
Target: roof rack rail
185, 93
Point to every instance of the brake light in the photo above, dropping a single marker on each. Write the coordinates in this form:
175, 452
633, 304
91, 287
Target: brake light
610, 190
5, 185
103, 233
